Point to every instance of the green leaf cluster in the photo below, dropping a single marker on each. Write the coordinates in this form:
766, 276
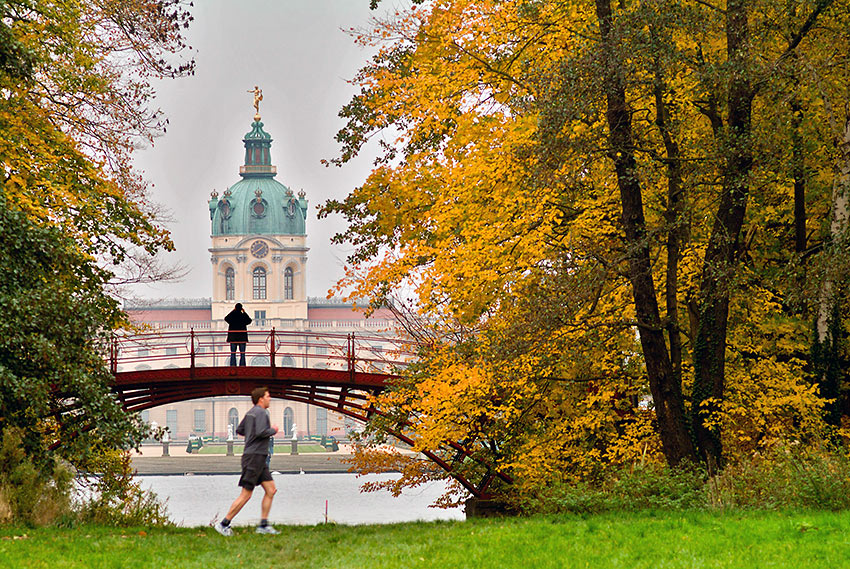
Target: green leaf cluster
56, 325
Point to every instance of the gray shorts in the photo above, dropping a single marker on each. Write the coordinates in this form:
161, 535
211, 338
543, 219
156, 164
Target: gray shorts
255, 471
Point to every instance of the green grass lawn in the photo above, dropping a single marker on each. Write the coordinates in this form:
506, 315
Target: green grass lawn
646, 540
278, 449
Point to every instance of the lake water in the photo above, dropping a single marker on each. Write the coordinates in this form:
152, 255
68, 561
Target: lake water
300, 500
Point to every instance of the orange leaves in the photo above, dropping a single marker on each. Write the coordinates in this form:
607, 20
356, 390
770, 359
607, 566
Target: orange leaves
454, 404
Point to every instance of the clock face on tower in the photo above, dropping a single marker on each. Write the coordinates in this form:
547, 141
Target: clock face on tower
259, 249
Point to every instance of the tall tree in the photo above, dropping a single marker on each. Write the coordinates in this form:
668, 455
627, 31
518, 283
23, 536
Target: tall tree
79, 103
75, 81
614, 147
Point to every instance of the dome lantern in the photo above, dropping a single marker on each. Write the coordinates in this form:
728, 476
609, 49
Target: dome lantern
258, 204
258, 160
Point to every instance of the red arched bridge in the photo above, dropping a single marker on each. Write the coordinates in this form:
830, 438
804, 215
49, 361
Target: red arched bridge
339, 372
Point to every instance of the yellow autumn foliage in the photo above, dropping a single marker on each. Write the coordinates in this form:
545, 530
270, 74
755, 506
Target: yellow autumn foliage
75, 103
500, 206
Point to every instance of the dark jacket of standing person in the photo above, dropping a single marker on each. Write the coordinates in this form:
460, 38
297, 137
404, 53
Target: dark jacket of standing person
237, 325
256, 428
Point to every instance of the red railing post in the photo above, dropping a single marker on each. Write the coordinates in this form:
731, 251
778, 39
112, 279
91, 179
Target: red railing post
113, 354
273, 346
191, 348
351, 356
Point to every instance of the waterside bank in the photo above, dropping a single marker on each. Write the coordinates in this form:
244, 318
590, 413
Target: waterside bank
149, 461
315, 463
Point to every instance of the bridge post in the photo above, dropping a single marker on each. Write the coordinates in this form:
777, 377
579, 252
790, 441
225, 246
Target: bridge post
113, 354
273, 351
192, 349
486, 508
350, 356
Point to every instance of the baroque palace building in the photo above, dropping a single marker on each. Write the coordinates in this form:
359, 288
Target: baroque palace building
259, 258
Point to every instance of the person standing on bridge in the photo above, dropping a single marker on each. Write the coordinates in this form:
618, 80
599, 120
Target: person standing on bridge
257, 430
237, 332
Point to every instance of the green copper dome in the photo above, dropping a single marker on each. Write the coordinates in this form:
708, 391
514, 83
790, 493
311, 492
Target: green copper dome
258, 204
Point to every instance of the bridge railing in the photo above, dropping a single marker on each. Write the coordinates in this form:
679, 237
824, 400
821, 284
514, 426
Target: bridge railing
272, 348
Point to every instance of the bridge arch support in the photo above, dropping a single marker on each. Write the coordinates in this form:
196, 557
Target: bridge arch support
345, 392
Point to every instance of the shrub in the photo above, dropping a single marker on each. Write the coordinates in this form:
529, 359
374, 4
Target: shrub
641, 487
28, 494
661, 487
788, 476
33, 495
117, 499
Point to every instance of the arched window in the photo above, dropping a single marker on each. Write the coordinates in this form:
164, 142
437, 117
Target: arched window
287, 284
260, 361
287, 361
288, 420
233, 419
229, 284
224, 218
259, 283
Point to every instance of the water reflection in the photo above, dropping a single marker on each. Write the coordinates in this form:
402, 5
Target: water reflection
195, 500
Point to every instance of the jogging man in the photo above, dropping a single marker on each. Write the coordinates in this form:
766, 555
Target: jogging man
256, 429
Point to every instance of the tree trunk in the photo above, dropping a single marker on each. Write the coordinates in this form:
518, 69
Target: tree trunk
676, 231
800, 177
826, 326
798, 173
720, 256
666, 391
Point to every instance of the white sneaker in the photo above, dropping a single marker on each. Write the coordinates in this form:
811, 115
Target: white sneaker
267, 529
226, 531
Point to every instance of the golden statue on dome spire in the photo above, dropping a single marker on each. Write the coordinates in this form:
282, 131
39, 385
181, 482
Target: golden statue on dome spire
258, 96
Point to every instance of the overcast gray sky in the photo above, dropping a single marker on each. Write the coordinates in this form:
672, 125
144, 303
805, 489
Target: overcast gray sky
299, 55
